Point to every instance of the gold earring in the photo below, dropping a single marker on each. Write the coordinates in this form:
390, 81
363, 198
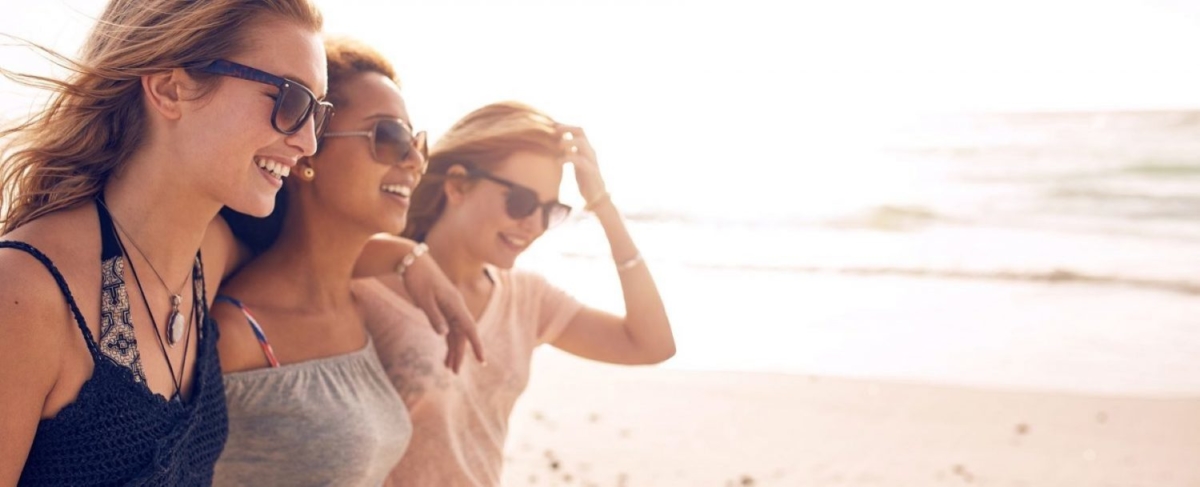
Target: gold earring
308, 173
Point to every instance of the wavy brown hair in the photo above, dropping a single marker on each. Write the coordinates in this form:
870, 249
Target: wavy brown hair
482, 139
95, 119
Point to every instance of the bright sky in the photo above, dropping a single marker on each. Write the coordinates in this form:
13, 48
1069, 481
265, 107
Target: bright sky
681, 62
671, 80
716, 57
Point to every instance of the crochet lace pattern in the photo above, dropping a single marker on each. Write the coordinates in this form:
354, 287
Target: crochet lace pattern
119, 432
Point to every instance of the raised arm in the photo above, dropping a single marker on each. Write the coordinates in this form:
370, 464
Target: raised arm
643, 335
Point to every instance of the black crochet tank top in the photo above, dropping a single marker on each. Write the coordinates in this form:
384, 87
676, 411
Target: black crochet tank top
119, 432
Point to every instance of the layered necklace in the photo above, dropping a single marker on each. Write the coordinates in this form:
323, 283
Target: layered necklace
177, 326
176, 323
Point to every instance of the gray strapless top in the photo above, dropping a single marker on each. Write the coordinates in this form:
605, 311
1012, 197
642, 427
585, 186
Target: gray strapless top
329, 421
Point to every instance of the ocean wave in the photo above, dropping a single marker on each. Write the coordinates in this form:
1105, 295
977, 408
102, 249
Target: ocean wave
663, 216
1056, 276
895, 218
1053, 276
1159, 218
886, 217
1170, 202
1162, 169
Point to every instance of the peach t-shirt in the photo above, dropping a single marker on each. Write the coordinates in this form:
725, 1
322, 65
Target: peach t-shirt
460, 422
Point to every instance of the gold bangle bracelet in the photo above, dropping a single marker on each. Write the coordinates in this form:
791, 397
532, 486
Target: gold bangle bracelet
630, 264
597, 201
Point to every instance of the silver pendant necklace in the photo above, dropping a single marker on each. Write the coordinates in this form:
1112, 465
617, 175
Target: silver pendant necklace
176, 323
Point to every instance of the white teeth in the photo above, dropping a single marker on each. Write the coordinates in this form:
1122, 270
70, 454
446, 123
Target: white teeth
519, 242
398, 189
276, 169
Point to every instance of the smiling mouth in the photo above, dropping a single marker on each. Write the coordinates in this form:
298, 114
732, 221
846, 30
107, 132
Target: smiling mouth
397, 189
279, 171
519, 243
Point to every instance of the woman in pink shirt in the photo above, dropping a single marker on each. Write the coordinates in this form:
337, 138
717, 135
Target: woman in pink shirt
490, 191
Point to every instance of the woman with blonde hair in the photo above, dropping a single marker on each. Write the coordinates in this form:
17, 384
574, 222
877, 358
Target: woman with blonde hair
176, 108
490, 191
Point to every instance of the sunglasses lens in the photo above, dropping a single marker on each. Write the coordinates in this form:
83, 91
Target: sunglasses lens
292, 108
423, 149
321, 115
521, 203
556, 213
392, 142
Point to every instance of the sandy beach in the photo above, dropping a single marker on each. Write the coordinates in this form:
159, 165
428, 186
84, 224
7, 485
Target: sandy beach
582, 423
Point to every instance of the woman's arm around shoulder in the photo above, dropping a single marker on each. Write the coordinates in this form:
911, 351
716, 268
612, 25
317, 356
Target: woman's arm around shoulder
429, 290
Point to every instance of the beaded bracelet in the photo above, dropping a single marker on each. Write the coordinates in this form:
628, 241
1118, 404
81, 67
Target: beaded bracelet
408, 260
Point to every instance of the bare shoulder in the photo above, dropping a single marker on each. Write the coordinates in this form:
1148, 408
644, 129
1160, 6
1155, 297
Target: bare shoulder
69, 237
38, 331
35, 323
238, 347
33, 341
221, 255
30, 296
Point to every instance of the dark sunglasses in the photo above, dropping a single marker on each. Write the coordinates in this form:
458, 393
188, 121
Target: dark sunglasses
522, 201
293, 104
392, 142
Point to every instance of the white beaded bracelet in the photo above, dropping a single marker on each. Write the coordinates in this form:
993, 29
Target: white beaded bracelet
408, 260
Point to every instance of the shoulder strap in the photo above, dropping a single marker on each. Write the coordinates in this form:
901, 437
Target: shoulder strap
62, 286
109, 245
254, 326
200, 298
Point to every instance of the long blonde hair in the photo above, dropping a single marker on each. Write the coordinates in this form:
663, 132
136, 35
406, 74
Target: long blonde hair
482, 139
95, 118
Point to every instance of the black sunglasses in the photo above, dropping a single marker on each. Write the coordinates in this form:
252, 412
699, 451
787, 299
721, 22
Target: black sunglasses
392, 142
293, 104
522, 201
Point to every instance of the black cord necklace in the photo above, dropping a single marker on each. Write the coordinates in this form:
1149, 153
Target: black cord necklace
176, 379
175, 327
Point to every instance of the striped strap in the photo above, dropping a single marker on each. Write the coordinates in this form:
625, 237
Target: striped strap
254, 326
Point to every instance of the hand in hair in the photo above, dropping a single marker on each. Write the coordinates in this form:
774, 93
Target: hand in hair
579, 152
